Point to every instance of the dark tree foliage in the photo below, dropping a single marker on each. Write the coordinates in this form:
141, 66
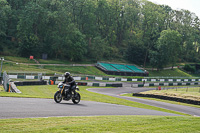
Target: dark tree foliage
97, 30
189, 68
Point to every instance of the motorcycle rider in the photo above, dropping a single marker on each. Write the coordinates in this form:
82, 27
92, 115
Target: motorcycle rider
69, 80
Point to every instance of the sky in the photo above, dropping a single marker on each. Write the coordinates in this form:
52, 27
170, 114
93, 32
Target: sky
191, 5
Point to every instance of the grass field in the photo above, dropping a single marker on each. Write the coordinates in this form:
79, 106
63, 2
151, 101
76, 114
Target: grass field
87, 70
103, 124
13, 67
41, 61
23, 68
169, 73
19, 59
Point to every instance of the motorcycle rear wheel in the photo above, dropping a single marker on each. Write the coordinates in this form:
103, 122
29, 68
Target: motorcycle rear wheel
57, 97
76, 99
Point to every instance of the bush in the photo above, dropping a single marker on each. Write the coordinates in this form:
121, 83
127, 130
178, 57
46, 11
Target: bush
189, 68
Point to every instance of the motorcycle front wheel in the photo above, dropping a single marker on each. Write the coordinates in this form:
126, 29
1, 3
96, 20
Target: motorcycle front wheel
76, 99
58, 97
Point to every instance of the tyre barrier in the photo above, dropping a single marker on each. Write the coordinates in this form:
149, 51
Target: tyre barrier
13, 88
24, 83
189, 101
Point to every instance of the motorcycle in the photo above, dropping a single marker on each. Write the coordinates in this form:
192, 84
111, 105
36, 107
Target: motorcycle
65, 93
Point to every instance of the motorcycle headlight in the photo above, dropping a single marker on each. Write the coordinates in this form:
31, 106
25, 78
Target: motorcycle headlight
60, 86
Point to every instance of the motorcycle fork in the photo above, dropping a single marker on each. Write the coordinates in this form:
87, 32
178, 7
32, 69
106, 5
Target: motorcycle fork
62, 90
73, 93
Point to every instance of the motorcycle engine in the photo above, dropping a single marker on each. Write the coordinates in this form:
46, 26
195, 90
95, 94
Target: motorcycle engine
68, 94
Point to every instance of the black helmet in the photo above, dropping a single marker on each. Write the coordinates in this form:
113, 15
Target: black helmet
67, 74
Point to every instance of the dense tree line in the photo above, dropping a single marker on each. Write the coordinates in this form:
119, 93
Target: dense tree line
136, 30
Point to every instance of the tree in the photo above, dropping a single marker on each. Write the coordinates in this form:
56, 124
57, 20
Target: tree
75, 45
153, 20
184, 22
105, 29
97, 49
156, 60
167, 49
135, 52
31, 27
4, 12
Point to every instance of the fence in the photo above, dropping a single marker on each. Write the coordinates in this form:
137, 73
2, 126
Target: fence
5, 81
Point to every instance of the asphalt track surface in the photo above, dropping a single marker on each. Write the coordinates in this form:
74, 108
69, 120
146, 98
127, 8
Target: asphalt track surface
35, 107
11, 107
116, 92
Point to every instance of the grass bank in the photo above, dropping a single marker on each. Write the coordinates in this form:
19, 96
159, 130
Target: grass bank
169, 73
87, 70
41, 61
48, 91
24, 68
122, 124
13, 67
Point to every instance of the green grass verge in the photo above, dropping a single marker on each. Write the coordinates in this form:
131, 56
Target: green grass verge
41, 61
19, 59
1, 88
47, 91
103, 124
41, 91
87, 70
169, 73
22, 68
56, 61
